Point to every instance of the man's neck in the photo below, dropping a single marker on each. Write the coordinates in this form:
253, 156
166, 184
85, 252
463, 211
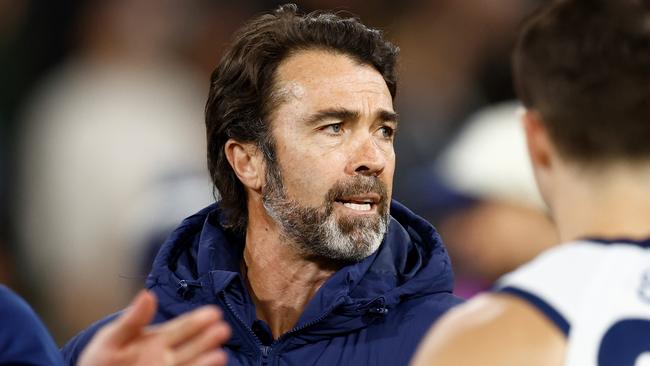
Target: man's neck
610, 206
280, 280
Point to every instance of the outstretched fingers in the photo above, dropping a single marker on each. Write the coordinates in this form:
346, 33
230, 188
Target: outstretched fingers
132, 321
193, 349
214, 358
192, 339
188, 325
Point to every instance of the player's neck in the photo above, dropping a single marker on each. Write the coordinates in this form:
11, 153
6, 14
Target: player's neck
281, 281
612, 205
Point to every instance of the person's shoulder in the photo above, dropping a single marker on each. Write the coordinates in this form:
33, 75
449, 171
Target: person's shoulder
563, 261
72, 350
499, 329
564, 266
17, 315
555, 282
23, 337
12, 305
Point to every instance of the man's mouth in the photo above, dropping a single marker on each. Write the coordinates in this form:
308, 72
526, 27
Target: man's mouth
357, 206
361, 203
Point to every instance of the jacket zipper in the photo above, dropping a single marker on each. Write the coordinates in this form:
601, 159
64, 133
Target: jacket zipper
265, 354
304, 326
379, 310
265, 350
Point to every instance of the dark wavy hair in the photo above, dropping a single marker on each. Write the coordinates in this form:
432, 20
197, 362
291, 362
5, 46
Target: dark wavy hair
584, 65
242, 85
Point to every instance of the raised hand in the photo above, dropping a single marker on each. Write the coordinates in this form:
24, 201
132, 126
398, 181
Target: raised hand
190, 339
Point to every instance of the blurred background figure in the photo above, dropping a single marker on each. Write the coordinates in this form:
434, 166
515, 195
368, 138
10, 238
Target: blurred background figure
112, 153
455, 59
101, 126
101, 133
504, 222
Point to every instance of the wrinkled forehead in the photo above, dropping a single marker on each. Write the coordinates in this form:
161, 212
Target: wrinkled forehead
325, 79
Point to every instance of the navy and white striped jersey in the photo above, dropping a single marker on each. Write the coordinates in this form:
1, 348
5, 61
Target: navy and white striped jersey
598, 293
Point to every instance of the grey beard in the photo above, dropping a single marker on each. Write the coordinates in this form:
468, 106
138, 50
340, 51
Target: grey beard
316, 232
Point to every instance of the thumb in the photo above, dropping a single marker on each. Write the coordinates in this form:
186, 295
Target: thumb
134, 318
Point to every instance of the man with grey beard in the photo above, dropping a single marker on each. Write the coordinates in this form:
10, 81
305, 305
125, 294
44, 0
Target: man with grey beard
305, 252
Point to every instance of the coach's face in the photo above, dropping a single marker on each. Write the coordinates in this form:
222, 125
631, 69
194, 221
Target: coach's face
333, 131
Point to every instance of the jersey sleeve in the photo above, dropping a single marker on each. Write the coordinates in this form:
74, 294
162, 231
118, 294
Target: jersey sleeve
554, 282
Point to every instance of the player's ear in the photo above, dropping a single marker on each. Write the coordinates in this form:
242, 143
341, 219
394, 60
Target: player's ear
246, 161
542, 153
540, 148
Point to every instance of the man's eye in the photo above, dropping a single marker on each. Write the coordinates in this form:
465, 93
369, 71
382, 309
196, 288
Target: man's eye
387, 132
334, 128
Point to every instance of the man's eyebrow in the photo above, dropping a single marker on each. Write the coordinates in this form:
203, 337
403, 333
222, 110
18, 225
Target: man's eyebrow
331, 113
343, 114
388, 116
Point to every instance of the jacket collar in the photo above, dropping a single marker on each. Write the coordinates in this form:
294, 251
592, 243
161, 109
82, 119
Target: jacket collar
201, 260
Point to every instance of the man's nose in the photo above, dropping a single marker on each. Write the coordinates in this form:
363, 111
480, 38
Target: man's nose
367, 158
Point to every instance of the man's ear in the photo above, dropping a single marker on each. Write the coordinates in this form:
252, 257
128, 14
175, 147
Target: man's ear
543, 155
247, 163
540, 147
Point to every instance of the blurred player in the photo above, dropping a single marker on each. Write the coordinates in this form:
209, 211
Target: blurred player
583, 72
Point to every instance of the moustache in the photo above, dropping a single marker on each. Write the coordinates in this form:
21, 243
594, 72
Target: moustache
359, 186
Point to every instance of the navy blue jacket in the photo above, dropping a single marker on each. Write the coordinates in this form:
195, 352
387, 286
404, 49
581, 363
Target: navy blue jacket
24, 340
369, 313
